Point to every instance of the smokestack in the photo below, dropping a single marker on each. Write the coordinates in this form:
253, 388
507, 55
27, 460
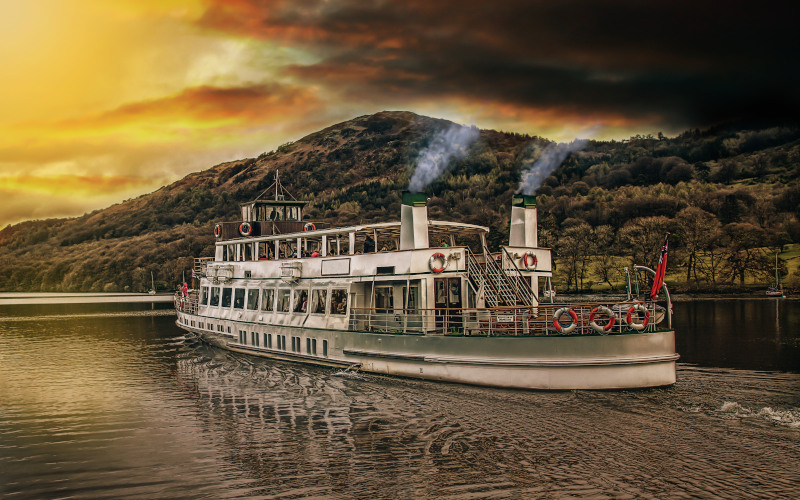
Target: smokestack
414, 221
523, 222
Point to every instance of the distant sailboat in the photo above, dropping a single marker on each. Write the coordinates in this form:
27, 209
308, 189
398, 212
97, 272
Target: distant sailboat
152, 284
777, 290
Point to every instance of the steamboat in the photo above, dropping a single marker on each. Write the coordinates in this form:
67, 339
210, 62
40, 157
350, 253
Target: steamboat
417, 298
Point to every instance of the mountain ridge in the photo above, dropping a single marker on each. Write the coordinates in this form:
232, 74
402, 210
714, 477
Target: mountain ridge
354, 171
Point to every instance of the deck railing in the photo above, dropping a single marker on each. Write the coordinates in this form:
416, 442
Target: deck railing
574, 319
515, 321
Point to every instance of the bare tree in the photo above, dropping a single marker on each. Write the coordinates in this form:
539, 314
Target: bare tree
574, 246
604, 241
696, 230
642, 238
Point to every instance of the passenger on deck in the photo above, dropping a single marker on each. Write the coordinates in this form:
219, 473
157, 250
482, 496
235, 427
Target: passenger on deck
369, 244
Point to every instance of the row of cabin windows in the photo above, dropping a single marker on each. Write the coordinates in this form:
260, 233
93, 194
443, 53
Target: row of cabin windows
280, 300
255, 340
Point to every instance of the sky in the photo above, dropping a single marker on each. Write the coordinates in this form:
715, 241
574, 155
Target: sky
101, 100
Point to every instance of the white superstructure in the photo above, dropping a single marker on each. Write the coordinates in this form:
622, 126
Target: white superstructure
418, 298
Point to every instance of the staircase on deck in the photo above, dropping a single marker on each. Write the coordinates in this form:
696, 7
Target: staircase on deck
499, 285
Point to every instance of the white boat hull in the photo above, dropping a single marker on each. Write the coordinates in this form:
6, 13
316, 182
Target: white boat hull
522, 362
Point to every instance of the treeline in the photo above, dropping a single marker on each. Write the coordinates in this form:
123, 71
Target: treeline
729, 197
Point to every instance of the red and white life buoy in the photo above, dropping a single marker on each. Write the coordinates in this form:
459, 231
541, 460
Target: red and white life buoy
245, 229
218, 230
529, 260
309, 227
557, 323
638, 308
600, 328
432, 262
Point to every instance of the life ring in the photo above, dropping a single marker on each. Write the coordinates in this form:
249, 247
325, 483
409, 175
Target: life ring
432, 262
557, 316
529, 260
599, 328
309, 227
218, 230
245, 229
638, 326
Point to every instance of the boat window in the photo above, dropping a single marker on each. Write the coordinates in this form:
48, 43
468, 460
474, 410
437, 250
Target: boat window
268, 299
318, 301
238, 298
227, 293
411, 299
384, 301
203, 295
215, 296
339, 301
324, 347
283, 300
301, 301
252, 299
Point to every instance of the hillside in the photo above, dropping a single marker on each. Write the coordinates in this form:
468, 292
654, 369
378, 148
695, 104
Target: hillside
728, 194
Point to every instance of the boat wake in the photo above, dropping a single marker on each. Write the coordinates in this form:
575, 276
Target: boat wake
349, 373
788, 418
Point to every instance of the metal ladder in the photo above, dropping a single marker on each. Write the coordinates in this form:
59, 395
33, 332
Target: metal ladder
498, 286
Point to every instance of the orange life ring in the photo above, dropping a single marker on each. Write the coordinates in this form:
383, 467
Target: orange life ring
218, 230
643, 324
557, 316
245, 229
600, 328
432, 262
309, 225
529, 256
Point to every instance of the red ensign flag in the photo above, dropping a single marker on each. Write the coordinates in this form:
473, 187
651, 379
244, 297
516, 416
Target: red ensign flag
658, 281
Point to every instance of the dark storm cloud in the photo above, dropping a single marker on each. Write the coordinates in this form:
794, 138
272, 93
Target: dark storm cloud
678, 63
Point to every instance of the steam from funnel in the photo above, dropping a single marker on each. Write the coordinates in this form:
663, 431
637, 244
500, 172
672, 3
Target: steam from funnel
550, 158
451, 143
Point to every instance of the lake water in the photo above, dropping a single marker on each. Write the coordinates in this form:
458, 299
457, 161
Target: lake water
113, 400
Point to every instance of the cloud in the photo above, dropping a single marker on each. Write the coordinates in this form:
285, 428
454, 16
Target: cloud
205, 107
87, 162
675, 64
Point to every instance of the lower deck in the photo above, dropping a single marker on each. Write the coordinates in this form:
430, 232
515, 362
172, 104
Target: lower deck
515, 361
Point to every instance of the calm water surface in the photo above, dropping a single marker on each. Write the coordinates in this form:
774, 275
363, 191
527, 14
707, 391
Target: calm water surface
109, 401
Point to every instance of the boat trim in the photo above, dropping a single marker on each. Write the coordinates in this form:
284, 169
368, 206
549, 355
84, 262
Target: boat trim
516, 362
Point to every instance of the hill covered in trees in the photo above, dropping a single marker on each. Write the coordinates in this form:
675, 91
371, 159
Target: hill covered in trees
729, 196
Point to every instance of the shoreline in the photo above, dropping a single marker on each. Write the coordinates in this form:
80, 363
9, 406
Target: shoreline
42, 298
676, 297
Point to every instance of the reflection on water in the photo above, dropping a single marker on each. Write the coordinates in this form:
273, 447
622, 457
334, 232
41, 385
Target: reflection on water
118, 403
755, 334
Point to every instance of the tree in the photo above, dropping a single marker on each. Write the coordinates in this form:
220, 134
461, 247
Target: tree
696, 230
574, 246
743, 254
604, 239
642, 237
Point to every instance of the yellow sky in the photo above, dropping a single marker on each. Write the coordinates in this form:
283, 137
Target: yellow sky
103, 100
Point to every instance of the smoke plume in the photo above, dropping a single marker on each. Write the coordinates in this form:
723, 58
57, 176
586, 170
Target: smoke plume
550, 158
446, 145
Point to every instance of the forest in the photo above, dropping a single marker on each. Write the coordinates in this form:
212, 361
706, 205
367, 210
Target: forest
729, 196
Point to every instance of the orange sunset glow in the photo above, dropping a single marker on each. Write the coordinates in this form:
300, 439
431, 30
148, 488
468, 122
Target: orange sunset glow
102, 101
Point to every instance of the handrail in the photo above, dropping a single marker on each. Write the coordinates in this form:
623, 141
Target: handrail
501, 320
666, 292
523, 289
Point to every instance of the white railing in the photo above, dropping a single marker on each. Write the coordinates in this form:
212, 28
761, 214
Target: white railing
515, 321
